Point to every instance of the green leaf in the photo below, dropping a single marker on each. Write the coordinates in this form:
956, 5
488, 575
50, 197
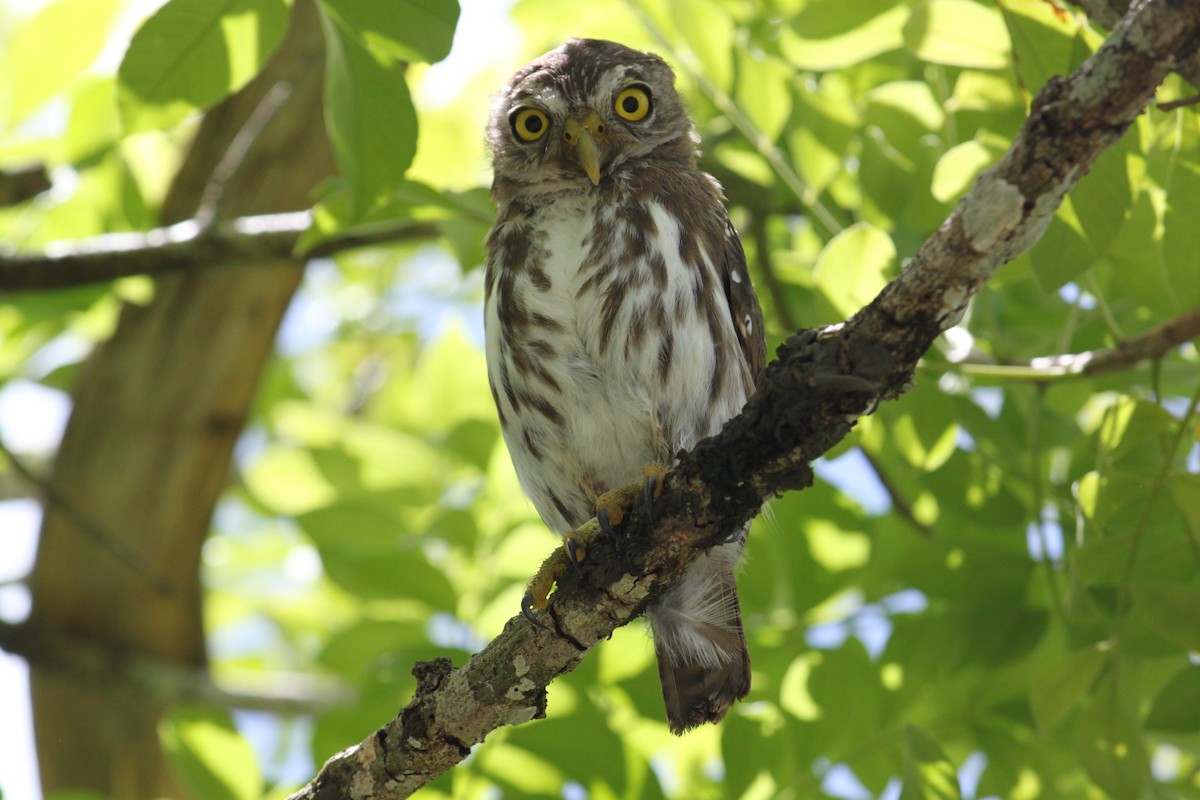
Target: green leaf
830, 34
1181, 235
407, 30
1130, 423
192, 53
928, 773
1176, 709
93, 124
209, 755
371, 645
369, 113
957, 169
1056, 690
51, 50
985, 91
353, 526
1109, 745
925, 427
819, 146
1185, 490
1063, 252
763, 92
958, 33
1103, 198
288, 481
1044, 40
1170, 610
709, 33
907, 110
388, 575
852, 268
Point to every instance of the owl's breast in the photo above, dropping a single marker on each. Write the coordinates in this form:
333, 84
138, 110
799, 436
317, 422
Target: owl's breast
601, 355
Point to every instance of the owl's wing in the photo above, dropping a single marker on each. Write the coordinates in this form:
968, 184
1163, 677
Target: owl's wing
743, 303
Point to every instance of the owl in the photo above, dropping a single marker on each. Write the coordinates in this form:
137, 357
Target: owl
621, 324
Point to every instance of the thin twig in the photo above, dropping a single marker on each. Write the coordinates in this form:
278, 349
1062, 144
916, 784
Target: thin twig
235, 155
1174, 104
1152, 344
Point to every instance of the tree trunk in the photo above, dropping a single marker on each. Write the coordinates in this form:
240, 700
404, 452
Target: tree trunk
157, 411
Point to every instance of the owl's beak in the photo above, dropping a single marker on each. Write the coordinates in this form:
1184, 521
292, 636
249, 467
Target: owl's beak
584, 135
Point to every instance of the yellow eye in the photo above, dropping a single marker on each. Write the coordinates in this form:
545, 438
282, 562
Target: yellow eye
633, 103
529, 124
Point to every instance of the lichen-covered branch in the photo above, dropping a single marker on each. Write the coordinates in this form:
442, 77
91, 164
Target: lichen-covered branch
1108, 13
811, 396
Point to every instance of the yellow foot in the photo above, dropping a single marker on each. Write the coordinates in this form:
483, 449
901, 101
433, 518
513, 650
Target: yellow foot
574, 549
611, 507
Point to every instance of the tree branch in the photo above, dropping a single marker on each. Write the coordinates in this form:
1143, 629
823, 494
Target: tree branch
811, 396
19, 185
1108, 13
1154, 343
189, 245
165, 682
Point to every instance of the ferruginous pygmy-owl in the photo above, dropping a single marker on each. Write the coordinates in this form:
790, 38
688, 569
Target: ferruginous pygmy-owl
621, 323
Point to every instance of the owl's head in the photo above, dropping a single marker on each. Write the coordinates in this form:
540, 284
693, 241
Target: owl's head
582, 112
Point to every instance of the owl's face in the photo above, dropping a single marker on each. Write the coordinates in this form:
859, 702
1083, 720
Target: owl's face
574, 117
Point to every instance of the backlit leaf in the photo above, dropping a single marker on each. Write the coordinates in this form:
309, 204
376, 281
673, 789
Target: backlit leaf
373, 141
209, 755
409, 30
957, 169
1109, 744
928, 773
1175, 707
191, 53
828, 34
1056, 690
1172, 611
959, 33
852, 268
50, 50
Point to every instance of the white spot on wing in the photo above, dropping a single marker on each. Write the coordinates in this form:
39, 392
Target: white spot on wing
736, 276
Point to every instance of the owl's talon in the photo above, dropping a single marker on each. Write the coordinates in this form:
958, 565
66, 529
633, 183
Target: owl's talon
605, 525
575, 551
527, 612
650, 493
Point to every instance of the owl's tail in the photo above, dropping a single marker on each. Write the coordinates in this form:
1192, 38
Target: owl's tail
702, 659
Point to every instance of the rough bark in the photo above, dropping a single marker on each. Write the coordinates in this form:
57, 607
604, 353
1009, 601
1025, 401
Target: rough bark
157, 410
821, 382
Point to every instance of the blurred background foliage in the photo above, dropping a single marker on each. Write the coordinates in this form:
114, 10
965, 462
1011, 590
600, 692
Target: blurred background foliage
992, 591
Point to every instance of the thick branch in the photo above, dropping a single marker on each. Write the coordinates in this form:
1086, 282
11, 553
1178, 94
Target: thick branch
164, 682
1108, 13
246, 241
811, 396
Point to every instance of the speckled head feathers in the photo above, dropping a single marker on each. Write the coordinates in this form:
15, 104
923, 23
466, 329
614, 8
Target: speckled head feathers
581, 77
